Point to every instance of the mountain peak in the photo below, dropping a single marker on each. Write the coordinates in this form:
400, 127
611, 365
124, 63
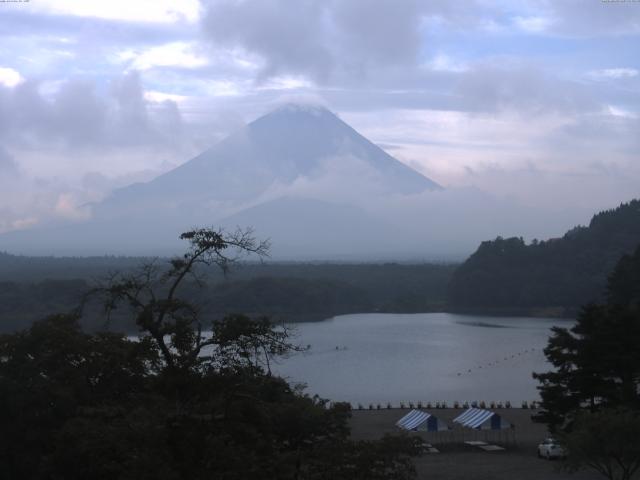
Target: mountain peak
299, 150
292, 116
315, 109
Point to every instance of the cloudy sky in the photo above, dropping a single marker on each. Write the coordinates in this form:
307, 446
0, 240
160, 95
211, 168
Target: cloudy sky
533, 100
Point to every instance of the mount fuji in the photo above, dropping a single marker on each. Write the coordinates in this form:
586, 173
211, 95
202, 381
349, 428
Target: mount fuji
299, 175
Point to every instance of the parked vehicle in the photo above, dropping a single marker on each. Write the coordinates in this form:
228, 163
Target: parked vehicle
550, 448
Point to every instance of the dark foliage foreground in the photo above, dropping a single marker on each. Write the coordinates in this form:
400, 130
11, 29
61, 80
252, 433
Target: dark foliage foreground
78, 406
174, 403
593, 394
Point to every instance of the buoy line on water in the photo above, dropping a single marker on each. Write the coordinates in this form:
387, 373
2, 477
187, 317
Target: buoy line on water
496, 362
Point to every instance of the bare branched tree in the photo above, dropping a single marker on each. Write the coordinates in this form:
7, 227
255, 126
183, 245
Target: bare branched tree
152, 292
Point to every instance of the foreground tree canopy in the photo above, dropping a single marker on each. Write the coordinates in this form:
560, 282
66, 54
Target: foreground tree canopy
593, 395
597, 361
606, 441
176, 402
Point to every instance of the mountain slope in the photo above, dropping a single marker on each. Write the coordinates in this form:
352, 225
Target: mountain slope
295, 154
309, 229
558, 275
291, 142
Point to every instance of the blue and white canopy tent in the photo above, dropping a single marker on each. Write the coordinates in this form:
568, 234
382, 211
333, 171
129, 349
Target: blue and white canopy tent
419, 421
486, 421
480, 419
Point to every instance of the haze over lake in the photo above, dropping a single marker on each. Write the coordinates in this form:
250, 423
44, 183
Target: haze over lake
380, 358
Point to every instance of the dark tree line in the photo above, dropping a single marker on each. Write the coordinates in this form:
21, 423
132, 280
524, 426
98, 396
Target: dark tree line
559, 275
293, 292
597, 361
593, 394
175, 403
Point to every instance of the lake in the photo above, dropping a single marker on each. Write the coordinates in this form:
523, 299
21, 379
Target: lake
380, 358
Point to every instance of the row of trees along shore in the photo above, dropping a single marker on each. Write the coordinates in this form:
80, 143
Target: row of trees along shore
173, 403
593, 394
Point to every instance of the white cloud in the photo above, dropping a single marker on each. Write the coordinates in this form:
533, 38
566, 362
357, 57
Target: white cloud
533, 24
163, 11
514, 155
223, 88
620, 112
10, 77
614, 73
286, 82
445, 63
67, 207
159, 97
175, 54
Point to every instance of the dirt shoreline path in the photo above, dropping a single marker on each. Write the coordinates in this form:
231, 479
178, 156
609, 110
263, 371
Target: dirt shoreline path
457, 461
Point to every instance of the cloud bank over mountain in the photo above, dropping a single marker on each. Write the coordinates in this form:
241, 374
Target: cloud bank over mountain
302, 177
513, 98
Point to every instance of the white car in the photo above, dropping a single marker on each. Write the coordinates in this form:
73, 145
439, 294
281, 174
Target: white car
550, 448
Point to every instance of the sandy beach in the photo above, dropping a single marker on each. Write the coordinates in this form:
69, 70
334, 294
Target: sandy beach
456, 460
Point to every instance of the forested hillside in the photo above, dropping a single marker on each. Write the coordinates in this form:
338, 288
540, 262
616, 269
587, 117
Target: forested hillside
33, 287
552, 277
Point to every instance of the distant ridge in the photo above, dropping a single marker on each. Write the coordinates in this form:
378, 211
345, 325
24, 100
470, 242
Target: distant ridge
552, 277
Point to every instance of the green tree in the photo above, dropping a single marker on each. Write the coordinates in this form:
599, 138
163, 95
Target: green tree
506, 275
53, 373
593, 395
177, 402
597, 361
606, 441
152, 293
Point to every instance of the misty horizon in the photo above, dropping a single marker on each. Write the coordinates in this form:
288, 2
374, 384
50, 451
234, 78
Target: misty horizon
306, 180
526, 114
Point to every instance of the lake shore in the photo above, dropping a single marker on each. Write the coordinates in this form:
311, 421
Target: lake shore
456, 461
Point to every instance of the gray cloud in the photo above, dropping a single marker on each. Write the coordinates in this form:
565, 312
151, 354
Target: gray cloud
77, 116
91, 32
326, 40
8, 167
372, 60
366, 55
523, 87
52, 140
591, 18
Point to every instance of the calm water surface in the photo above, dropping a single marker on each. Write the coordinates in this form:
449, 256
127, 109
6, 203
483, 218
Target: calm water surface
384, 358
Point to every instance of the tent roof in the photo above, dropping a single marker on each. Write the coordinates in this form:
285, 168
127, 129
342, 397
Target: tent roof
417, 419
413, 419
477, 417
